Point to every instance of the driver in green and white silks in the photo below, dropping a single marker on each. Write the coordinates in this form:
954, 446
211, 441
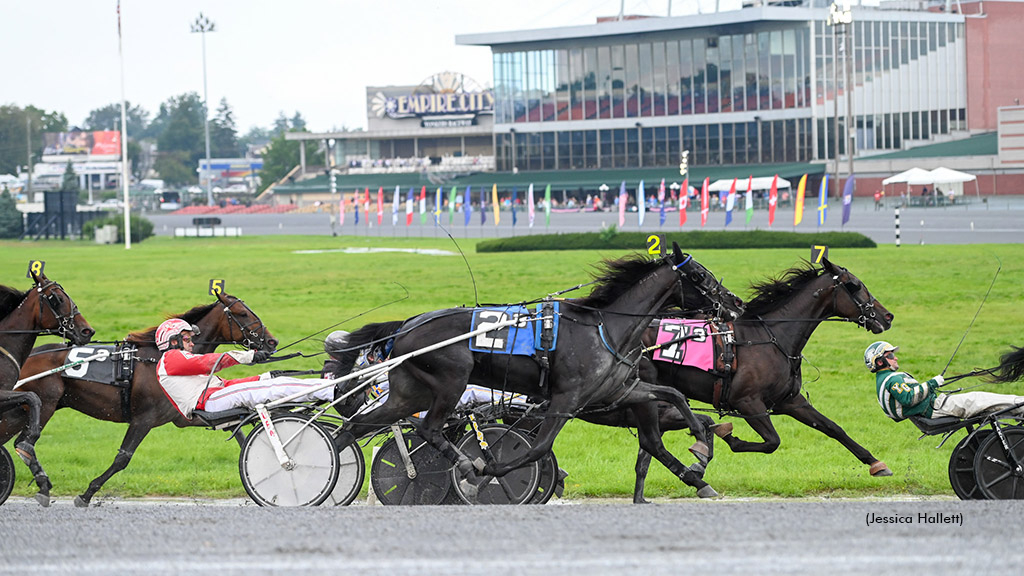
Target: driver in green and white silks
901, 396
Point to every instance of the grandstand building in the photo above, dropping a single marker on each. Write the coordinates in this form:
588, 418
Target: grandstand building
773, 88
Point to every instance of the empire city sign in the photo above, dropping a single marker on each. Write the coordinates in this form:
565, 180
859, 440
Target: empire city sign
443, 101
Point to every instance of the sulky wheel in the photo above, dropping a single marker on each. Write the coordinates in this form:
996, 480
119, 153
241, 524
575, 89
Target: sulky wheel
351, 473
390, 479
548, 479
961, 466
313, 469
6, 474
1000, 472
503, 445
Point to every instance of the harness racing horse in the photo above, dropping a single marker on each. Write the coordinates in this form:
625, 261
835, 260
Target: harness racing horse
770, 337
592, 366
44, 309
227, 321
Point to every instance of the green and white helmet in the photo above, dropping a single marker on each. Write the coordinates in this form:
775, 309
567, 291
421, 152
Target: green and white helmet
875, 352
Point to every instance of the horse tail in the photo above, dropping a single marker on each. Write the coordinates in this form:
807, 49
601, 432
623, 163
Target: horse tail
361, 339
1011, 367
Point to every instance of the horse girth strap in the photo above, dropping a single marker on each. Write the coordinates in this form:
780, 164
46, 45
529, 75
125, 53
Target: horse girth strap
11, 357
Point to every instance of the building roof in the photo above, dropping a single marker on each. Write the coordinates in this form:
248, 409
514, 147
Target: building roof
558, 179
986, 144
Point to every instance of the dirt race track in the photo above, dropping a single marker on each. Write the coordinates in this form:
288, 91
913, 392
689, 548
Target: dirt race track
934, 537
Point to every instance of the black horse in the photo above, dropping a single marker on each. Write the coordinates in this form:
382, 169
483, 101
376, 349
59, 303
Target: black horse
593, 365
43, 309
143, 405
769, 339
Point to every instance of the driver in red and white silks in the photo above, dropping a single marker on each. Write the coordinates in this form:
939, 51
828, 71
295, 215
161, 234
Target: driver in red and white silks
188, 382
901, 396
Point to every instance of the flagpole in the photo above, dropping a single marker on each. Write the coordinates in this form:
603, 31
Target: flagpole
124, 142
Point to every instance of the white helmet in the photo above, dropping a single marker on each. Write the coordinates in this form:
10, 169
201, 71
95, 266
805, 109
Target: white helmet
875, 352
336, 341
168, 334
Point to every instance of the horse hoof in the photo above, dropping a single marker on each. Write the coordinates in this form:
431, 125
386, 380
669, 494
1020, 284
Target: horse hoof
42, 499
721, 430
880, 469
80, 502
701, 451
707, 492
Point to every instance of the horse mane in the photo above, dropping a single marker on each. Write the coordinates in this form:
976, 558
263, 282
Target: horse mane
614, 277
772, 293
148, 336
10, 298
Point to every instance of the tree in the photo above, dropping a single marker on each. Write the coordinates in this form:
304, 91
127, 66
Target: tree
181, 142
12, 223
224, 133
15, 124
298, 122
280, 157
70, 181
109, 118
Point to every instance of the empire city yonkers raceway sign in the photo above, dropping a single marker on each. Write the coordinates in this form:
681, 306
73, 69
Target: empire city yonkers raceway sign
445, 100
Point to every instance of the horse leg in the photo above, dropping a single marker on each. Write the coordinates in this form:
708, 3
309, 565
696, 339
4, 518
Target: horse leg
650, 441
702, 447
133, 437
24, 446
756, 415
802, 411
558, 411
643, 464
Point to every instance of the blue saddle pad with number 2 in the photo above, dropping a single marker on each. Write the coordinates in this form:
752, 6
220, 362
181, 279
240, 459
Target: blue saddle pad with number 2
518, 339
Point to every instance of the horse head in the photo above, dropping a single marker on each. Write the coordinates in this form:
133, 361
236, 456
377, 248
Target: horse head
721, 300
230, 320
60, 314
851, 300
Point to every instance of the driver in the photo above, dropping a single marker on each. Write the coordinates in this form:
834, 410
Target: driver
901, 396
188, 380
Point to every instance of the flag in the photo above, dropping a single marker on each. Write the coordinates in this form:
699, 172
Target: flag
341, 211
483, 207
823, 201
640, 202
661, 203
750, 199
408, 207
437, 206
355, 207
514, 190
773, 199
622, 204
530, 208
730, 202
380, 205
704, 201
494, 203
684, 201
798, 208
366, 206
848, 198
547, 205
423, 205
467, 208
394, 206
453, 198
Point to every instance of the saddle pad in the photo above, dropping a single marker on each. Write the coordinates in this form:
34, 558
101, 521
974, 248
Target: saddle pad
516, 339
697, 351
99, 370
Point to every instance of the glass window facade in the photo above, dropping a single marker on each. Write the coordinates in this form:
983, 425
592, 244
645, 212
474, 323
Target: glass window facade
761, 95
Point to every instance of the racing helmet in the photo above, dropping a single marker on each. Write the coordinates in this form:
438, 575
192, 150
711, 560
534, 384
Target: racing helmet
336, 341
168, 334
874, 354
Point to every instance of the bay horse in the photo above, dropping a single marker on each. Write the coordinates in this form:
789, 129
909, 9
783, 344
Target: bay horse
769, 339
593, 365
43, 309
228, 320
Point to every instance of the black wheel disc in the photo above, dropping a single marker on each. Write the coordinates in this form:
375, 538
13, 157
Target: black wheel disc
504, 444
961, 466
548, 479
999, 470
390, 479
6, 474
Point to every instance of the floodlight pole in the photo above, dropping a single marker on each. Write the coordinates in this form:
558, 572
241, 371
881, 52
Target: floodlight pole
202, 25
840, 14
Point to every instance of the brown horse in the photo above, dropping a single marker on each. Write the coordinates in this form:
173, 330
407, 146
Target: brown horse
23, 317
228, 320
769, 339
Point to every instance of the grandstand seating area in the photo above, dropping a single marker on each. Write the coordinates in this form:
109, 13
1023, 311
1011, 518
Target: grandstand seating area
236, 209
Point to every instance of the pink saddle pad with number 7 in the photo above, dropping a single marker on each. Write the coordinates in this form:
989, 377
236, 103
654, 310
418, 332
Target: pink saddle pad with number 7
697, 350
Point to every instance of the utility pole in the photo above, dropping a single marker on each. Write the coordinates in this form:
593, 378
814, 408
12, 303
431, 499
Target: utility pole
28, 140
202, 25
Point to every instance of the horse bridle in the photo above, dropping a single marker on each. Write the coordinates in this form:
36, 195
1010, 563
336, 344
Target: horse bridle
704, 282
866, 307
251, 339
65, 324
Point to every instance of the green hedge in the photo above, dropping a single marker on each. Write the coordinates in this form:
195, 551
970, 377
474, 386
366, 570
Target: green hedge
611, 239
141, 228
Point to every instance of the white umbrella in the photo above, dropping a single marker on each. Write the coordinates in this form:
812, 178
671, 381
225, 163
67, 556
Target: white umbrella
762, 183
912, 176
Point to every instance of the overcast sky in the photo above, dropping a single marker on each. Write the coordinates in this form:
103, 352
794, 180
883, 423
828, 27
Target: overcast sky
266, 57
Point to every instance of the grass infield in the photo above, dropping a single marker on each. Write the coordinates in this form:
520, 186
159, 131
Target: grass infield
301, 285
